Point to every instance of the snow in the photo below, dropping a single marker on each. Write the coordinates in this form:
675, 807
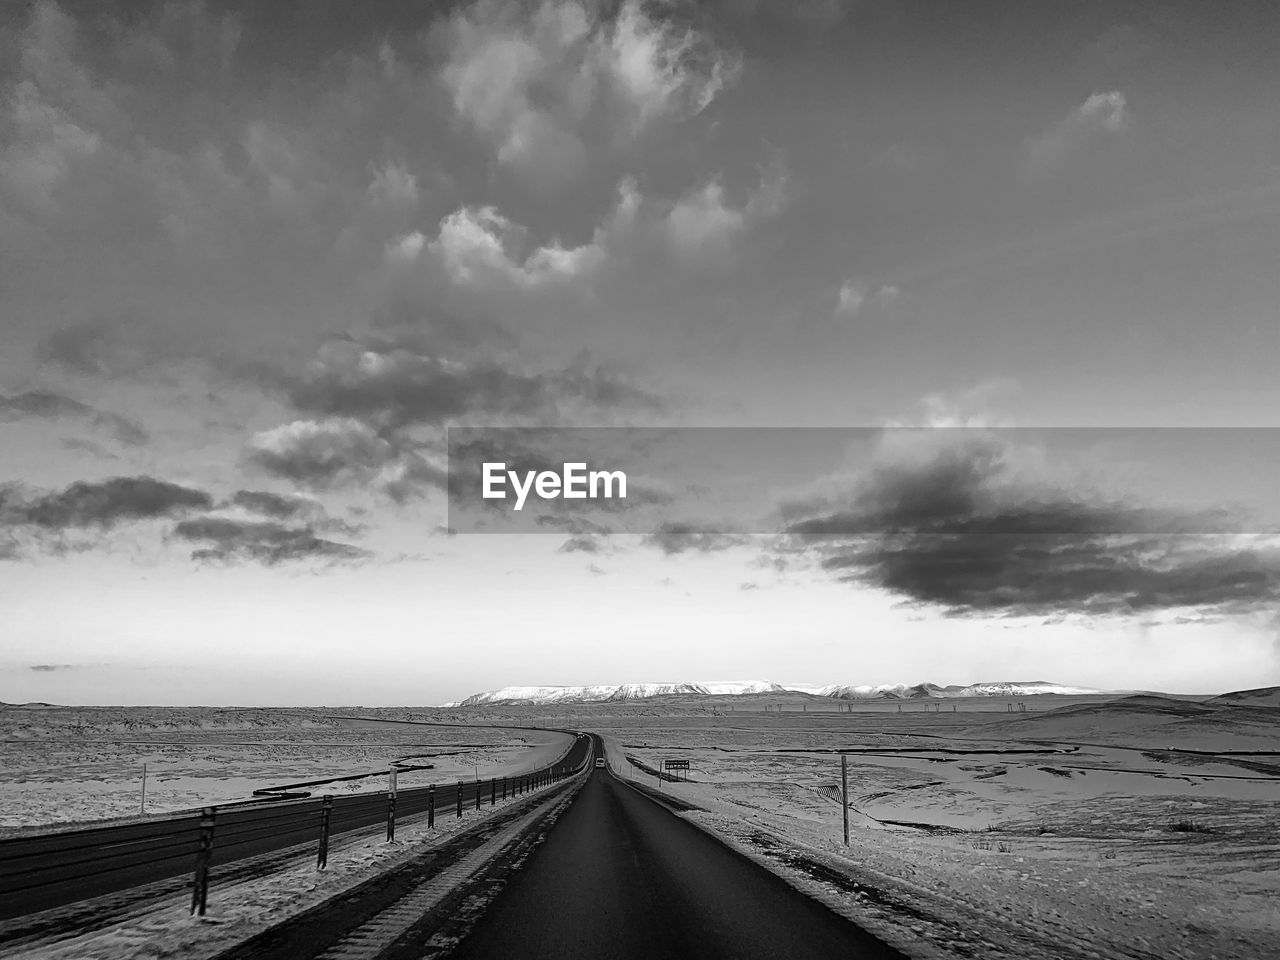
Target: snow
840, 691
622, 691
1151, 838
80, 764
1002, 688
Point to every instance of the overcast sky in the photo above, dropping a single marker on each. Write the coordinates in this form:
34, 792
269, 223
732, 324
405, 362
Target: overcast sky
256, 257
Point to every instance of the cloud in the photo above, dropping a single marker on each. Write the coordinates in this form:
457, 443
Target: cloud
965, 520
107, 503
120, 346
375, 403
289, 507
87, 132
393, 379
665, 70
321, 454
854, 294
394, 188
53, 406
673, 537
474, 244
51, 667
1101, 115
536, 82
585, 543
704, 227
272, 504
265, 542
46, 143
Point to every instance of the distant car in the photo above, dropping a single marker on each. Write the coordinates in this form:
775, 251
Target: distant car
599, 761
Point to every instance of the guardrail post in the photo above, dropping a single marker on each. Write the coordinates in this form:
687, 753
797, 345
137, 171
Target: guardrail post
493, 791
459, 798
844, 793
477, 794
326, 810
391, 804
431, 806
200, 885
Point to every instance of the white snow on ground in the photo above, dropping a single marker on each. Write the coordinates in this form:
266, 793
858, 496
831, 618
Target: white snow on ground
1108, 850
1130, 830
71, 765
240, 910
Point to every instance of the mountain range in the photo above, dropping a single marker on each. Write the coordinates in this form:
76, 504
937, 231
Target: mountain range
643, 691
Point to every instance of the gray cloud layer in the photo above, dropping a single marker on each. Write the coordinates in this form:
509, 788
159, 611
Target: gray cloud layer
961, 530
109, 502
265, 542
54, 406
94, 508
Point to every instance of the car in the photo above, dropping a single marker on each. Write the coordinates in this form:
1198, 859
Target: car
599, 761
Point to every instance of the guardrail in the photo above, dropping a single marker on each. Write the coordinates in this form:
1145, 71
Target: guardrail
50, 870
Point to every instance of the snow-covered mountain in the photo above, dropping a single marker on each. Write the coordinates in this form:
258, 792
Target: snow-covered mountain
921, 691
837, 691
615, 692
1026, 688
881, 691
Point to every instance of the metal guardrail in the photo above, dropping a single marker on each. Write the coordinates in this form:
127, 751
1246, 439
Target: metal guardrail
51, 870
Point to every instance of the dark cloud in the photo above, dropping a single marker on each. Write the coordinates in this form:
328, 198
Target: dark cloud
53, 406
962, 528
265, 542
395, 379
1046, 574
368, 394
339, 453
106, 503
412, 476
271, 504
577, 526
675, 537
113, 347
581, 544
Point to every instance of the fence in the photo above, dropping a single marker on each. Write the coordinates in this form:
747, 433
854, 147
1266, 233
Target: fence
50, 870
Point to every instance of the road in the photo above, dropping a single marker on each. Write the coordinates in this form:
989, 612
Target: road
621, 877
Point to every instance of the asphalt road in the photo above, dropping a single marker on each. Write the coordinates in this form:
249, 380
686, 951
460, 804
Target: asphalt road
621, 877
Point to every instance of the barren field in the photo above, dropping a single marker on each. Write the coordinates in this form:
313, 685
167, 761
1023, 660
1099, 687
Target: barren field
76, 764
1079, 827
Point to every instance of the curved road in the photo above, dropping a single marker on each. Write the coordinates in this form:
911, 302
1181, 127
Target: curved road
621, 877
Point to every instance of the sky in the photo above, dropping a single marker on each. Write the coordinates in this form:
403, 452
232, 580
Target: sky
257, 259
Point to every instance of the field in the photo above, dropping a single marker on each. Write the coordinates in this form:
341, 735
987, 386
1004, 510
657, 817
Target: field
76, 764
1056, 826
1144, 827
